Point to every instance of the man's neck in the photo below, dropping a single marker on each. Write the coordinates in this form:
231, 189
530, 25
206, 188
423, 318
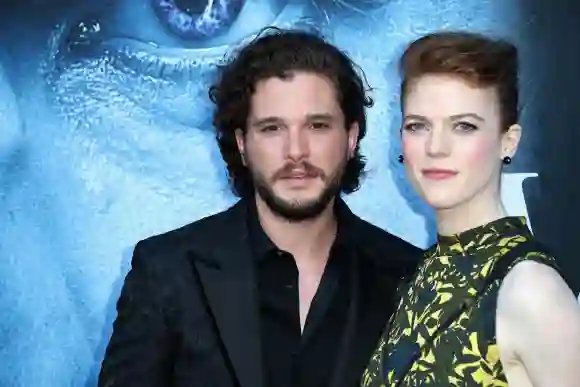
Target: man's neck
308, 238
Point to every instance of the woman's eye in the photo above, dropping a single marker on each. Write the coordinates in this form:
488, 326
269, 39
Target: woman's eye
414, 126
465, 127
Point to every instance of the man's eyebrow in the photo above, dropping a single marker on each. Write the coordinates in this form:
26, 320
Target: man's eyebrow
265, 121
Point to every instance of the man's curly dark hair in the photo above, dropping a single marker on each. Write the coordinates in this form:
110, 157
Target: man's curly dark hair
280, 53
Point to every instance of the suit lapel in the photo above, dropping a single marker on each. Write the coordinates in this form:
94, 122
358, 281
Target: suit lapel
226, 275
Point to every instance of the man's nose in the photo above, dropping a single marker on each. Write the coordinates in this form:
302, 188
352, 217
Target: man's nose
298, 146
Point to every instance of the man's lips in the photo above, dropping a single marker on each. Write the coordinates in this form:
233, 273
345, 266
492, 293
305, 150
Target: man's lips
298, 174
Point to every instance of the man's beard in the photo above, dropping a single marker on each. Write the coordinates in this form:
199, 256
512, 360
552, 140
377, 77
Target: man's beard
300, 210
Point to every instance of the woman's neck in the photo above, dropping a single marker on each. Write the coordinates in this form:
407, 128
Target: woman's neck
468, 215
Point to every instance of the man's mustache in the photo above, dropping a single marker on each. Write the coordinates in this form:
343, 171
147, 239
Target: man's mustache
289, 170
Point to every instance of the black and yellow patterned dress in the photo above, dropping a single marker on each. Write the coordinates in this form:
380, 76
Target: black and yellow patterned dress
443, 333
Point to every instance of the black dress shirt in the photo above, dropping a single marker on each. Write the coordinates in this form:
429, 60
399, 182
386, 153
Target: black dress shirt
293, 358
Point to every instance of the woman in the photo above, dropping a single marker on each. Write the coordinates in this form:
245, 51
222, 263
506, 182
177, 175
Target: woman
487, 306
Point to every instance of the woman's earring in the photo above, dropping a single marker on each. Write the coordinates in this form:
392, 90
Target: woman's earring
507, 160
401, 159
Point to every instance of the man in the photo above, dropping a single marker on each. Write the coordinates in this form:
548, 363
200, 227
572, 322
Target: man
286, 288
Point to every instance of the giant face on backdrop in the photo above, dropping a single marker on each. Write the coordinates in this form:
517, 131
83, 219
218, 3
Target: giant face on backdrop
117, 144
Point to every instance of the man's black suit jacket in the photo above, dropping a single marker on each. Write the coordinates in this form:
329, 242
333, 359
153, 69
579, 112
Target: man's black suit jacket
188, 313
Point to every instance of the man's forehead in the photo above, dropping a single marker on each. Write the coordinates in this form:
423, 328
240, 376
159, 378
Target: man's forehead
291, 109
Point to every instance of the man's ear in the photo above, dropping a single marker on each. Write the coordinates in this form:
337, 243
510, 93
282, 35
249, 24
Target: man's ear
241, 146
353, 133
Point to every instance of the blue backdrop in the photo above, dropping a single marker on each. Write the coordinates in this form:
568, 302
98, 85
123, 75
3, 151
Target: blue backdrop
105, 139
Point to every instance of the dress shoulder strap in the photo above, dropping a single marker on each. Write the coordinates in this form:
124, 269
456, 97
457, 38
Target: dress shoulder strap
529, 250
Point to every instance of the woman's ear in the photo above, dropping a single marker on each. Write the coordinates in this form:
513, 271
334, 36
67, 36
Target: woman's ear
510, 141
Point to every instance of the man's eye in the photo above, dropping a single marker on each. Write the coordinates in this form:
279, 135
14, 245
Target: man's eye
270, 128
319, 125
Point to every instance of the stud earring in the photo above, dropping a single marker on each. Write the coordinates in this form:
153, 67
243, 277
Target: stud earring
507, 160
401, 159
